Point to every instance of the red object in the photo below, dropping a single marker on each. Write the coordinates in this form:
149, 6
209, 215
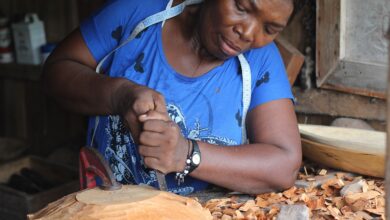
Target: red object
92, 164
5, 49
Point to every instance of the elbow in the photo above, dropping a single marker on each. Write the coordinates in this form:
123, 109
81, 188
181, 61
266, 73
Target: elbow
281, 176
289, 172
287, 181
281, 183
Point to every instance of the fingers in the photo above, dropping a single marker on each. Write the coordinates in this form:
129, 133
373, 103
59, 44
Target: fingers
154, 115
152, 100
157, 131
151, 157
152, 138
160, 126
149, 151
156, 164
143, 106
132, 123
139, 100
163, 141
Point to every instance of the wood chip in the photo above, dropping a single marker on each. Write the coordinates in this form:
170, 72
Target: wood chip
229, 211
322, 172
247, 205
290, 192
360, 205
327, 195
226, 217
352, 198
355, 186
335, 212
378, 211
239, 215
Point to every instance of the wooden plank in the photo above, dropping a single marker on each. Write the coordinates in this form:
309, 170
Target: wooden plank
387, 179
328, 38
344, 62
327, 102
358, 78
292, 58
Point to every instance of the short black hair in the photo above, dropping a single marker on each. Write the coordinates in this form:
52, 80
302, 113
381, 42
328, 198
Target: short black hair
298, 6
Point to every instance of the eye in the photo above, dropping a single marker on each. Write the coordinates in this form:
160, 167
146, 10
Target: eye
270, 30
239, 7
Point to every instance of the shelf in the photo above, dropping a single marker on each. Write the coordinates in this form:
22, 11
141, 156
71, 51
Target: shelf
20, 72
339, 104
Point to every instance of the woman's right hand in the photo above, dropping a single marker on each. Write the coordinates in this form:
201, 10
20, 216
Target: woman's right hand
130, 100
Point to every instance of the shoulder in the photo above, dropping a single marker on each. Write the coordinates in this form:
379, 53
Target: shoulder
264, 59
269, 77
131, 8
263, 54
106, 27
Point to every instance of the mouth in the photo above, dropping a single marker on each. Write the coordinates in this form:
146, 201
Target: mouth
228, 47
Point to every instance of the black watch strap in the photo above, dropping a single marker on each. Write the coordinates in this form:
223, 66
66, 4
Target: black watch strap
196, 156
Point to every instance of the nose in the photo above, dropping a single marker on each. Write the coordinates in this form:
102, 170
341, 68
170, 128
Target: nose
250, 33
245, 31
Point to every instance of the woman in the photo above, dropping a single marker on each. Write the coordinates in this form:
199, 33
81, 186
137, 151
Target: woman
172, 100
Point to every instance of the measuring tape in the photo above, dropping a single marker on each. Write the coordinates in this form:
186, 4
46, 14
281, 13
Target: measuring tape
170, 13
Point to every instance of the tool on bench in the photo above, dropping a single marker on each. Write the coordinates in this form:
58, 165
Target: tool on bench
92, 164
139, 202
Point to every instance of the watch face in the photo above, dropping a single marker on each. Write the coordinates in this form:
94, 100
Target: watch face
196, 159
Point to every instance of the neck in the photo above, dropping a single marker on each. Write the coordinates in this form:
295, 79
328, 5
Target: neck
198, 47
190, 29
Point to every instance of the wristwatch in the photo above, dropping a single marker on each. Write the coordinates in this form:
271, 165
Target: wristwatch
196, 156
192, 162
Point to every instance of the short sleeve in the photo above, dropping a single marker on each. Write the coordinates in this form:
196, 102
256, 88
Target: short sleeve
270, 81
107, 27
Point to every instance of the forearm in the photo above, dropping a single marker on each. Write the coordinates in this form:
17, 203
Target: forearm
252, 168
79, 88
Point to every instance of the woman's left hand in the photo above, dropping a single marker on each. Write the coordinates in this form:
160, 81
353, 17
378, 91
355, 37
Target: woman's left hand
161, 143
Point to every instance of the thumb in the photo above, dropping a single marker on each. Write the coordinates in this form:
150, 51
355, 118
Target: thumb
159, 104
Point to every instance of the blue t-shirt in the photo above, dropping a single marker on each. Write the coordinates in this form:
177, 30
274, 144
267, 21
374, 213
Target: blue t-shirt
207, 108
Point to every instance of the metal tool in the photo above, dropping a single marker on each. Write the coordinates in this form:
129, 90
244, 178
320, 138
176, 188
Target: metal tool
161, 181
93, 164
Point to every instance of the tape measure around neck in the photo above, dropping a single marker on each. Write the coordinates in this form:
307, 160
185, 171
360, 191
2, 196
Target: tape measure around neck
246, 92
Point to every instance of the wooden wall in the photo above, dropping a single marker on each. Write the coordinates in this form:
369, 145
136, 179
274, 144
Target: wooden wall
60, 16
26, 112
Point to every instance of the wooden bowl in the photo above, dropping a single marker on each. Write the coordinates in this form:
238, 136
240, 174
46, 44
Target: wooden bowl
129, 202
354, 150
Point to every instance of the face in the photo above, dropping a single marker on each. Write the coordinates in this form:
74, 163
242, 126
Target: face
231, 27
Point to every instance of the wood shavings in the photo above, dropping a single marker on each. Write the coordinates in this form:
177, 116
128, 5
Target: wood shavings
316, 188
322, 172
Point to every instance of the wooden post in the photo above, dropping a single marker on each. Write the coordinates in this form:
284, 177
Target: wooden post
387, 176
